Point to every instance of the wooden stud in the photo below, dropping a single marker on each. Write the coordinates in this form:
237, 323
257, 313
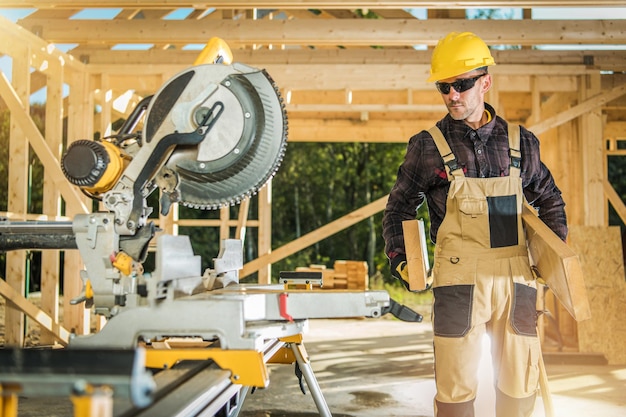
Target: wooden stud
264, 232
50, 260
18, 186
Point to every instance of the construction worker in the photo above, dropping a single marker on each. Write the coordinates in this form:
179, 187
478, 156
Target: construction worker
474, 171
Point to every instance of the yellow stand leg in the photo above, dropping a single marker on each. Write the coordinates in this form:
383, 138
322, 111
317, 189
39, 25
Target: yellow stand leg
8, 403
93, 402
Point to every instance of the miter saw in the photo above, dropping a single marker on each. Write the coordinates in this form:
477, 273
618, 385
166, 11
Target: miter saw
210, 137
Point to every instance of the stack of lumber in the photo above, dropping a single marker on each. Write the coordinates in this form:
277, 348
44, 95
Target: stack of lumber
351, 275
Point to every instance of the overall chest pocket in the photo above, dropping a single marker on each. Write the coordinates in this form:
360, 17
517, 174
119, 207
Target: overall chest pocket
473, 207
474, 220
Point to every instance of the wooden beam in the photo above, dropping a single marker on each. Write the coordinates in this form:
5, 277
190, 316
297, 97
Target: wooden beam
43, 319
593, 168
18, 183
50, 260
582, 108
80, 125
258, 57
224, 220
212, 223
314, 236
145, 79
615, 200
342, 108
264, 245
310, 4
242, 219
41, 50
353, 32
615, 130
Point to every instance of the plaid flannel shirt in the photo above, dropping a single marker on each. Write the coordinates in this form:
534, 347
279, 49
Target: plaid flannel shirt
483, 153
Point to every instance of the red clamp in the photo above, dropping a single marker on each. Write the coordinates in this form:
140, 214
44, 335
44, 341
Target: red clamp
282, 306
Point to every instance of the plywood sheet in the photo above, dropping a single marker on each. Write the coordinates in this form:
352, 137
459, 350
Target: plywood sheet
602, 260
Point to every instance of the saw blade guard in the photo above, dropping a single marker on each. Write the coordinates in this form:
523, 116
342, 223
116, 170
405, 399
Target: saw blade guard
244, 123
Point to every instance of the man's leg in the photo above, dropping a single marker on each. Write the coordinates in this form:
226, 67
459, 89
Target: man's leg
456, 369
516, 350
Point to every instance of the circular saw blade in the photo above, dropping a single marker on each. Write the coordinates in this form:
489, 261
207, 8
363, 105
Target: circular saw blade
245, 144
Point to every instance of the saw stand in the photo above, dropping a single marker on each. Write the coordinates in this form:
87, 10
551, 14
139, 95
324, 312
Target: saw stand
304, 365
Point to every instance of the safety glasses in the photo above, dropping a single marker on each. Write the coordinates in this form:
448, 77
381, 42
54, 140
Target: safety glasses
459, 85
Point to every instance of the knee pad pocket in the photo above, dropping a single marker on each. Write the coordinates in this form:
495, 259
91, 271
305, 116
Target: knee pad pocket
452, 310
524, 314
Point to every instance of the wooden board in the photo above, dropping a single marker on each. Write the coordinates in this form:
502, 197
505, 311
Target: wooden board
44, 320
416, 253
557, 264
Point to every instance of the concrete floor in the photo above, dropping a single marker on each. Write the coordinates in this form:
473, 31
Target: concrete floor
380, 367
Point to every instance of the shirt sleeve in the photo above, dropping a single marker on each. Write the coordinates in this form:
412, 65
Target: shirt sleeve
405, 197
540, 188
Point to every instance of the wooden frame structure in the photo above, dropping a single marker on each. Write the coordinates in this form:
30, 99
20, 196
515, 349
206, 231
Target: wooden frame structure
345, 78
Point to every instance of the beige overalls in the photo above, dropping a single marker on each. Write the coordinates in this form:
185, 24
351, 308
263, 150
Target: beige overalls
482, 282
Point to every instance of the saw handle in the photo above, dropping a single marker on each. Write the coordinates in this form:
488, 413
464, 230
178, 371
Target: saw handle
216, 51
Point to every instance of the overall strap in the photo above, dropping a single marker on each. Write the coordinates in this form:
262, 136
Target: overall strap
449, 160
514, 150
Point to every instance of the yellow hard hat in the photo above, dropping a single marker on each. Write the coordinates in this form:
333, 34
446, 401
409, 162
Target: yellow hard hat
457, 54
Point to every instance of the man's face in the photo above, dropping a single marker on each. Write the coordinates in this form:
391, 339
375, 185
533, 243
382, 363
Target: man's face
469, 104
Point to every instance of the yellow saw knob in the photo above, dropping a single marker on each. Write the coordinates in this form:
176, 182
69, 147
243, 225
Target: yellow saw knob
94, 166
124, 263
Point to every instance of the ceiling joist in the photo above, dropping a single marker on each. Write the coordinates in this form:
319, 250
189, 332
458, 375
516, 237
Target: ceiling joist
605, 60
333, 32
312, 4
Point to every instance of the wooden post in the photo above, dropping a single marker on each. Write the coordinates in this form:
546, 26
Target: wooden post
265, 231
167, 223
592, 154
224, 220
79, 126
242, 220
18, 193
493, 96
50, 260
106, 103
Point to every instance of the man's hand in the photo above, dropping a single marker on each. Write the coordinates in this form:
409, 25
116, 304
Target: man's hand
399, 269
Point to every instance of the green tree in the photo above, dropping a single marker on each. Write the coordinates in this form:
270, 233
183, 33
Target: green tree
320, 182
